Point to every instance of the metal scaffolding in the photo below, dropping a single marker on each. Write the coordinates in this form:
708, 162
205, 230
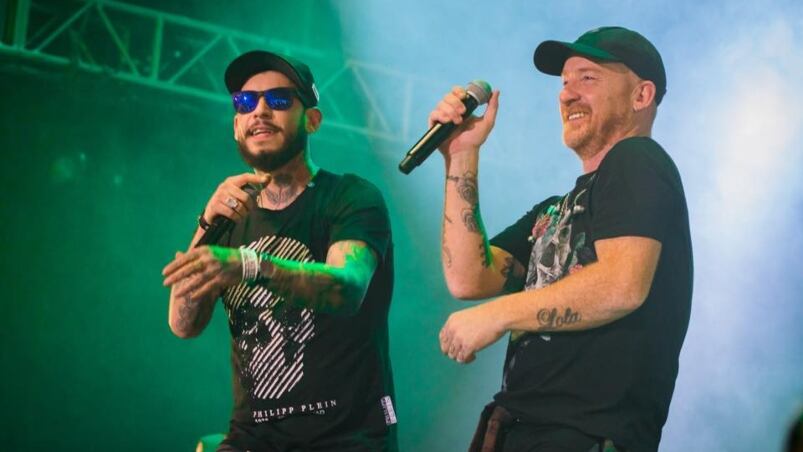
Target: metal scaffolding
186, 56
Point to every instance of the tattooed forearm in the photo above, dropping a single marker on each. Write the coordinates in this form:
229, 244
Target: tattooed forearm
551, 320
470, 220
191, 315
310, 287
322, 287
485, 254
469, 216
467, 188
186, 314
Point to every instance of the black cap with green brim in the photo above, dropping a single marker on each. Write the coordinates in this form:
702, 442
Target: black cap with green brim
615, 44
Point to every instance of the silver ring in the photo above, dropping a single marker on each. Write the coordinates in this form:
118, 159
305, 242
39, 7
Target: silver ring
231, 202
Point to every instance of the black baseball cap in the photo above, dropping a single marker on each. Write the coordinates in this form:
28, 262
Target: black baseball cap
616, 44
246, 65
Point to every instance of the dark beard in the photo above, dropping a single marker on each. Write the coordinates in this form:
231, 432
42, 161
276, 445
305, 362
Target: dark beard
270, 161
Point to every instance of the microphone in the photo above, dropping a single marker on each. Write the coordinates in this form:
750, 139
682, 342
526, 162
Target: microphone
220, 224
477, 93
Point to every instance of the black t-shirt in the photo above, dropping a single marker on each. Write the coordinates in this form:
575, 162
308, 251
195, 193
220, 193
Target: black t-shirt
313, 378
615, 381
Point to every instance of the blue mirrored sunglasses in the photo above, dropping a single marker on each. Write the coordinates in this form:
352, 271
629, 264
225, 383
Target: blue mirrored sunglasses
276, 98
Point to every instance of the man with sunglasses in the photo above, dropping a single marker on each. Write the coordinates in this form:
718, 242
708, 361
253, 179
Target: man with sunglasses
305, 275
594, 286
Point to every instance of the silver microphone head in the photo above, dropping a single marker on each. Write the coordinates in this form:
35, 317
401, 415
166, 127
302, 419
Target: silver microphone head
480, 90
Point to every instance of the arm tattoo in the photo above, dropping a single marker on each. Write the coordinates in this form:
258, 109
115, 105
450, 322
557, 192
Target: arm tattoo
470, 220
321, 286
192, 313
485, 254
185, 313
467, 188
470, 216
307, 287
507, 267
513, 274
551, 320
189, 314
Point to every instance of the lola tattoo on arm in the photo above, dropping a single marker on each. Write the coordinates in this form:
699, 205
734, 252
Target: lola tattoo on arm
551, 319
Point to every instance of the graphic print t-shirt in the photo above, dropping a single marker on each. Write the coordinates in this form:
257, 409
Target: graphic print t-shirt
332, 373
614, 381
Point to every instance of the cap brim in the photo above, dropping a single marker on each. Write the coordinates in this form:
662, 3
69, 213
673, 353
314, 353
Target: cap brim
550, 56
248, 64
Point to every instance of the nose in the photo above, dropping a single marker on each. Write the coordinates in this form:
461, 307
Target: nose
262, 107
568, 94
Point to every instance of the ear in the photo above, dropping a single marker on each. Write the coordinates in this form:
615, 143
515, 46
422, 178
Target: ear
643, 95
313, 119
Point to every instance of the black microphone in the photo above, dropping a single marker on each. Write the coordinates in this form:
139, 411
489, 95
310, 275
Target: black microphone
477, 93
220, 224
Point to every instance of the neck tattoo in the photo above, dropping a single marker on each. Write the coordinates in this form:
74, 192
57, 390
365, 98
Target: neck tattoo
284, 190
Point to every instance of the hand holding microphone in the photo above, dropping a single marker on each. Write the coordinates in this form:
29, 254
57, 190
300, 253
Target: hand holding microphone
230, 203
453, 111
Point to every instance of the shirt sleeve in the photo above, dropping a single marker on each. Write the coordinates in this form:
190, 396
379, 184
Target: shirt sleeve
515, 238
637, 192
360, 213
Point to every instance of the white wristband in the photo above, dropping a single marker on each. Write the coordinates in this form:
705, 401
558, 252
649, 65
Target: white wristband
250, 263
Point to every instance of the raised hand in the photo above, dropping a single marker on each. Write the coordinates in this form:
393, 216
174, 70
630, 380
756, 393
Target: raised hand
230, 200
472, 131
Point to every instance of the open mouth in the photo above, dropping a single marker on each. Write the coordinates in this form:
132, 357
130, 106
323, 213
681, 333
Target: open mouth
576, 115
262, 130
